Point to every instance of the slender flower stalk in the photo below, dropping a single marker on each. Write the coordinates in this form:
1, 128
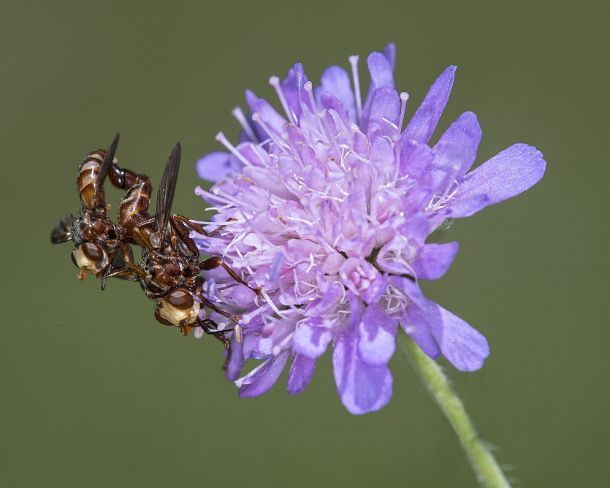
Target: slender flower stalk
481, 459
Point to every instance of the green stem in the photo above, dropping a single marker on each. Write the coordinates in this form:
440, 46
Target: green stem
481, 459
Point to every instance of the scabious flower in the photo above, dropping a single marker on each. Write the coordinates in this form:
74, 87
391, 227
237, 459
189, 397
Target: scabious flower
327, 205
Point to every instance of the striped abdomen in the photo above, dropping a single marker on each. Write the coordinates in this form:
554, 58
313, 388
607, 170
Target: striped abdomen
91, 197
133, 210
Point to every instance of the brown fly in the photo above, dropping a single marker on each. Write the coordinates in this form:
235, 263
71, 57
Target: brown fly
170, 268
98, 242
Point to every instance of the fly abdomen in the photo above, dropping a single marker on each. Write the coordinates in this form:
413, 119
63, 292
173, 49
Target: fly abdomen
86, 181
133, 210
125, 178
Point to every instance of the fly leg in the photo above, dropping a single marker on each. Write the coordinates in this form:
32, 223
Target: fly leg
211, 328
181, 225
212, 306
123, 266
198, 227
213, 263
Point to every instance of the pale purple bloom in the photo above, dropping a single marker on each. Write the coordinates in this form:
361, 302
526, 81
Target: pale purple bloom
327, 205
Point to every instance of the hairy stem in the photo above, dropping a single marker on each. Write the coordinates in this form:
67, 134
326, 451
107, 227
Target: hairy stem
481, 459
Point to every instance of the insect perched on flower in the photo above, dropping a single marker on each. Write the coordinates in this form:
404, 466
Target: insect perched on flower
328, 206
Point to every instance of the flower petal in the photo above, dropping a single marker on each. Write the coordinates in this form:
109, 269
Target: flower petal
390, 54
361, 387
422, 125
416, 320
235, 360
504, 176
434, 260
268, 114
310, 340
214, 166
300, 374
381, 71
415, 157
457, 148
263, 377
336, 81
292, 85
384, 112
377, 336
382, 74
462, 345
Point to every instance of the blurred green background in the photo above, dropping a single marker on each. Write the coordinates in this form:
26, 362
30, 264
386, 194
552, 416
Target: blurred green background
95, 393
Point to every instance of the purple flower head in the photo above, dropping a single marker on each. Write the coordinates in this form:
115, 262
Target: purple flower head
327, 205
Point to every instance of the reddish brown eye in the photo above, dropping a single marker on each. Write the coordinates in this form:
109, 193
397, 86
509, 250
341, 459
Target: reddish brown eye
172, 269
92, 251
181, 299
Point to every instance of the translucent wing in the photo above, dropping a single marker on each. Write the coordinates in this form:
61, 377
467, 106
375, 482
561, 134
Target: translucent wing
165, 196
107, 162
62, 232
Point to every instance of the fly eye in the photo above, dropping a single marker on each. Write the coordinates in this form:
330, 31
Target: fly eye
181, 299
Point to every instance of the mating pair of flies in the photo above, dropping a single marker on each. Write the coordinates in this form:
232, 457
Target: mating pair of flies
169, 268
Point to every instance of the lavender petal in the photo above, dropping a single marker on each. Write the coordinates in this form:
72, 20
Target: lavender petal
336, 81
263, 377
434, 260
422, 125
509, 173
300, 374
457, 148
214, 166
361, 387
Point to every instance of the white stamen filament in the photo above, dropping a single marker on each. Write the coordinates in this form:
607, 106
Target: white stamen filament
354, 62
314, 108
274, 81
200, 192
404, 96
220, 137
245, 125
274, 138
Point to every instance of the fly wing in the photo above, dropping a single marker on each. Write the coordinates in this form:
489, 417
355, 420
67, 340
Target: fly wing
62, 232
165, 196
107, 162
